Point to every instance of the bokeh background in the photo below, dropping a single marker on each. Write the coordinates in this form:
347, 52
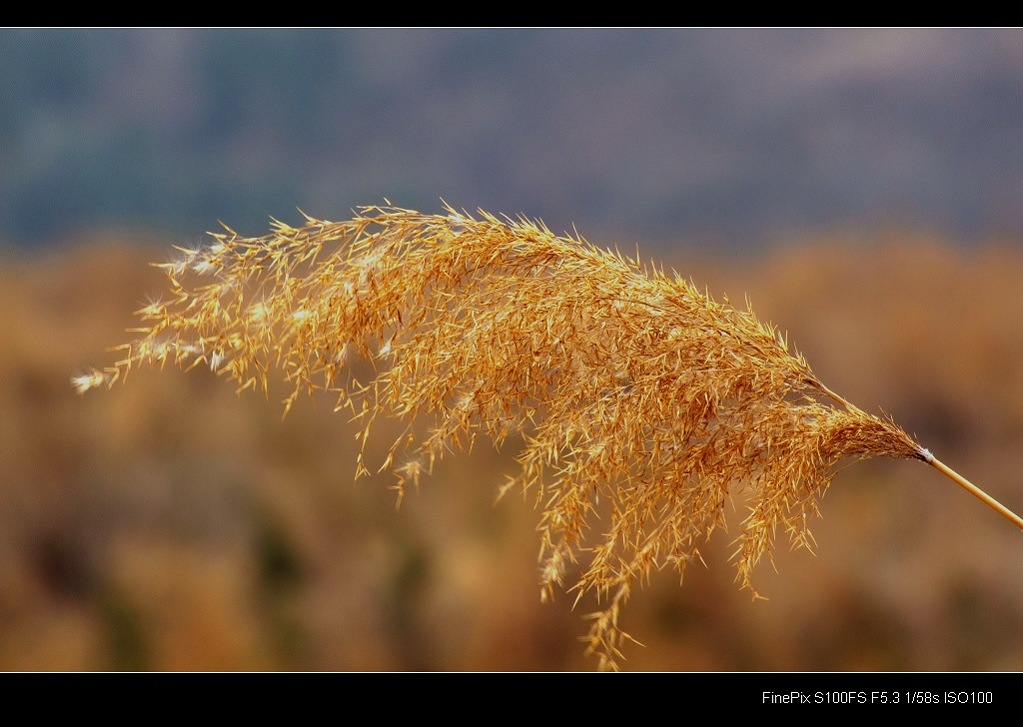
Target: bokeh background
863, 187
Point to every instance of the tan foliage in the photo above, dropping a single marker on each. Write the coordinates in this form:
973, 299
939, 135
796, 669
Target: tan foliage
640, 406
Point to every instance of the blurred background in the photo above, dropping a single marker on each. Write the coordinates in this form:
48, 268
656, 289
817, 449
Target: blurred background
863, 187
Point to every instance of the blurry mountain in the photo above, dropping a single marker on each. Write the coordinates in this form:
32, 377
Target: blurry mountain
732, 136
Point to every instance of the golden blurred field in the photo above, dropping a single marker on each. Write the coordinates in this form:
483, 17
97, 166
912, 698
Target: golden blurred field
170, 524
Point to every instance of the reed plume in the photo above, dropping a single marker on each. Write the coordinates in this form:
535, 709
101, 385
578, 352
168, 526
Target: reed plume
641, 406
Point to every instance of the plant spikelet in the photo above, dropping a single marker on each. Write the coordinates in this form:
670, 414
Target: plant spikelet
641, 405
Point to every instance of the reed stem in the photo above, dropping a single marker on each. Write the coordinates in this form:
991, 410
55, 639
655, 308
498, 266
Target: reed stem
929, 458
975, 491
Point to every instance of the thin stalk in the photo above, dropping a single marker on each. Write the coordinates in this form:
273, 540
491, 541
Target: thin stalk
973, 490
944, 469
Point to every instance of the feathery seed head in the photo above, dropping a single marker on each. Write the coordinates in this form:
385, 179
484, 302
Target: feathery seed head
634, 393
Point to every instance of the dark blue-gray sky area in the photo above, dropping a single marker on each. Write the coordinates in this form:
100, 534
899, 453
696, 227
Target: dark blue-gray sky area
733, 136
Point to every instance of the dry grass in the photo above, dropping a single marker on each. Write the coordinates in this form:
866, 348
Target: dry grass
641, 407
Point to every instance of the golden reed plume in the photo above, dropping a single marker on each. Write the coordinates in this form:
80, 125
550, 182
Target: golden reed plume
637, 401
